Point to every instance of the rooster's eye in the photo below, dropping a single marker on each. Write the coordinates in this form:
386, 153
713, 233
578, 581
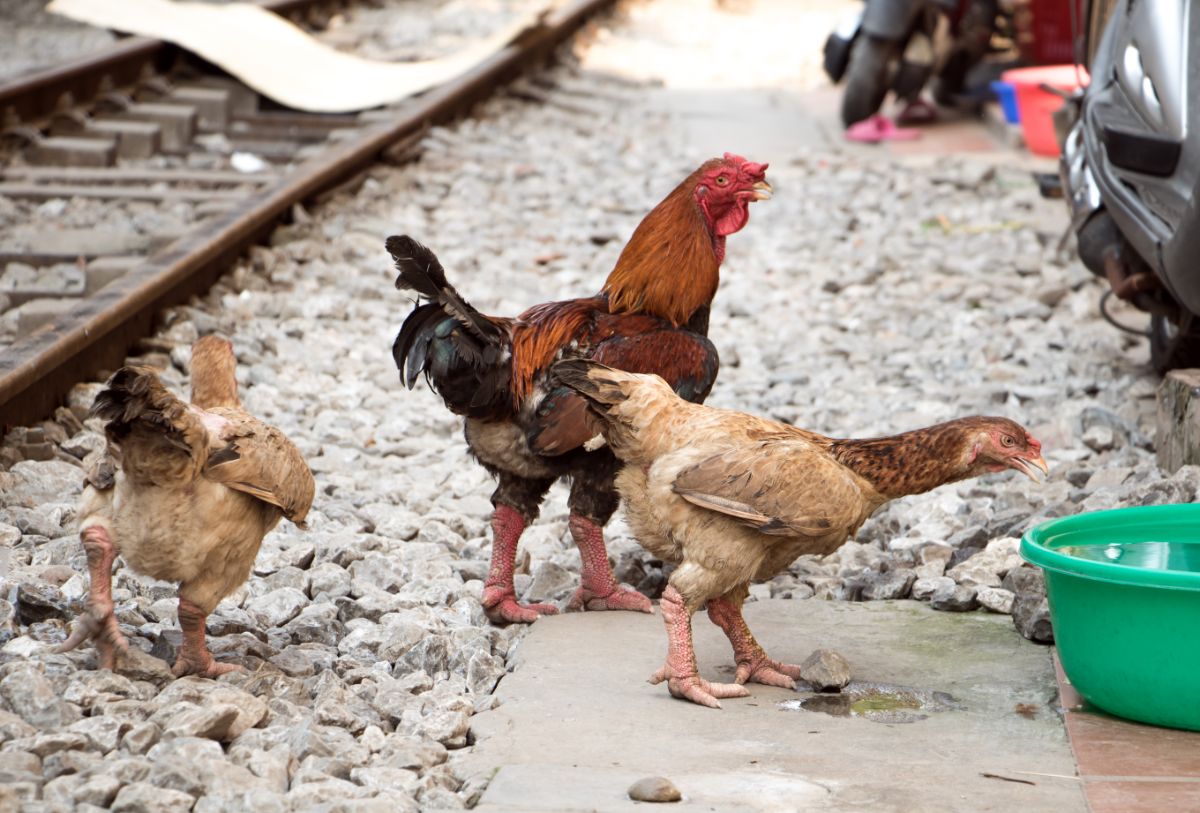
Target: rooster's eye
722, 180
1007, 440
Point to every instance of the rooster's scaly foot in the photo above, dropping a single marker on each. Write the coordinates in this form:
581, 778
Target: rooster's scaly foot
696, 689
619, 598
502, 607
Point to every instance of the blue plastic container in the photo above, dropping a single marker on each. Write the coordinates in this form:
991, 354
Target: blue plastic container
1006, 94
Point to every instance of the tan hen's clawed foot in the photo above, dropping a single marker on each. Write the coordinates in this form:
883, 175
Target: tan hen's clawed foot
204, 667
98, 623
768, 673
696, 689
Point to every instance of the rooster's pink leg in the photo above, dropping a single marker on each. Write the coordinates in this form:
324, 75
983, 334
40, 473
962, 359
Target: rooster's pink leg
752, 662
98, 620
680, 671
598, 588
194, 657
499, 596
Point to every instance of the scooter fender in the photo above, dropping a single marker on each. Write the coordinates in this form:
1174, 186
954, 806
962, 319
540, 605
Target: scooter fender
838, 45
890, 19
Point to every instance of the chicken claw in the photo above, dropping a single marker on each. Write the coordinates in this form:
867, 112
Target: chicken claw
680, 673
598, 588
768, 672
617, 598
194, 657
753, 664
204, 666
502, 607
690, 686
98, 621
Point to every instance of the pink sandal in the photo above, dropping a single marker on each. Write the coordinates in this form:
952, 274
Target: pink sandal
879, 128
918, 112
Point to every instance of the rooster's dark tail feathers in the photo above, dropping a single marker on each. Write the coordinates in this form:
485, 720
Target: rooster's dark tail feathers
464, 355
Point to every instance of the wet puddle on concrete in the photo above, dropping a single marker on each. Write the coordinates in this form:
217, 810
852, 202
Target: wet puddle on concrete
878, 702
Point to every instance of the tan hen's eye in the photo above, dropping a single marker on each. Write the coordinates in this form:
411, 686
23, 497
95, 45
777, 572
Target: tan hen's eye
1007, 440
722, 180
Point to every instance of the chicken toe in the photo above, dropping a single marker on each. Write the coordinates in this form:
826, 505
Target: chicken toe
680, 673
194, 657
98, 622
753, 665
503, 608
499, 596
695, 688
598, 588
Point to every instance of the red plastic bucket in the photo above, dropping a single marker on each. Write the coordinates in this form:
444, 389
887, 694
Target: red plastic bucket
1037, 106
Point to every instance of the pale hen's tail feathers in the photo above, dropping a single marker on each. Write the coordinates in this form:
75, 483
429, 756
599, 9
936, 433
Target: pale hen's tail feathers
161, 438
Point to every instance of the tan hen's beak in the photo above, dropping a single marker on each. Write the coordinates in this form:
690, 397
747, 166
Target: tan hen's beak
1034, 468
762, 191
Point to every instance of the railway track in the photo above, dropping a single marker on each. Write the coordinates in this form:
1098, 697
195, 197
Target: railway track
117, 129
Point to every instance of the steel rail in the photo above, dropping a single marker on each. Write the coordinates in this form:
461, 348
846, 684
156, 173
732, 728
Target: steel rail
38, 370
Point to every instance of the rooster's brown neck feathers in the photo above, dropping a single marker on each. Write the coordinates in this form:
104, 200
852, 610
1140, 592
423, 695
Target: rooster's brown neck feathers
673, 239
669, 268
913, 462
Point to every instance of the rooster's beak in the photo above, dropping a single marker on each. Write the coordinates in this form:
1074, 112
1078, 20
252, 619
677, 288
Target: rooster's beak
762, 191
1034, 468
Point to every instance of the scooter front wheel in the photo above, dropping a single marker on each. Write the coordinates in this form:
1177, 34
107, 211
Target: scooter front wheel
867, 78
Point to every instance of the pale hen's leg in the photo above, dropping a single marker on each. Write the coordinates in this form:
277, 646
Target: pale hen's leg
752, 662
499, 595
98, 621
598, 588
680, 673
194, 657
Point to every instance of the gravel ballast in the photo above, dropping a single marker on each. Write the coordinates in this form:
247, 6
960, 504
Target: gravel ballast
867, 297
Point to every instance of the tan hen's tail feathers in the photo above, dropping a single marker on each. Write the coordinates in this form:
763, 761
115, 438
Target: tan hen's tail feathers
598, 383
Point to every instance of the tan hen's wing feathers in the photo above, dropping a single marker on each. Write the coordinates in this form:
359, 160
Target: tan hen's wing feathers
779, 486
259, 460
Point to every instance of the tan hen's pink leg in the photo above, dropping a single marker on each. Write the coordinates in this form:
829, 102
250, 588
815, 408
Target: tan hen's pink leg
98, 621
753, 665
194, 657
499, 595
598, 588
680, 673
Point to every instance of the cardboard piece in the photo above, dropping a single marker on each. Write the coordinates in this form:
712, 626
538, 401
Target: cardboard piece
278, 59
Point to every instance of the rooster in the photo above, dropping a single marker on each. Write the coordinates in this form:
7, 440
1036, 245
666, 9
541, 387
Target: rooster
732, 498
185, 493
650, 316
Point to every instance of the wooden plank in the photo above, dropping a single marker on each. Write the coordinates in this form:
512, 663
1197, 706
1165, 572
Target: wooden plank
134, 174
44, 191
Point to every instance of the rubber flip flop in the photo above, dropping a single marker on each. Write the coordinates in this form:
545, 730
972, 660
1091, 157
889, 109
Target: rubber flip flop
879, 128
918, 112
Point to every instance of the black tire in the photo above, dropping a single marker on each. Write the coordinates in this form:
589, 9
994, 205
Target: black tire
1172, 346
866, 78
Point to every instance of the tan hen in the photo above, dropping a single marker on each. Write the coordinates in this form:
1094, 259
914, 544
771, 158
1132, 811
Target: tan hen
732, 498
185, 493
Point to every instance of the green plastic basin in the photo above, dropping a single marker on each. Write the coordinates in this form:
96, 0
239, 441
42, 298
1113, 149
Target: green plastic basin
1127, 616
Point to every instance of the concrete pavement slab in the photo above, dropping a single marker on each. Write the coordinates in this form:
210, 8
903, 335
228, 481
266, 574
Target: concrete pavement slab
577, 723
